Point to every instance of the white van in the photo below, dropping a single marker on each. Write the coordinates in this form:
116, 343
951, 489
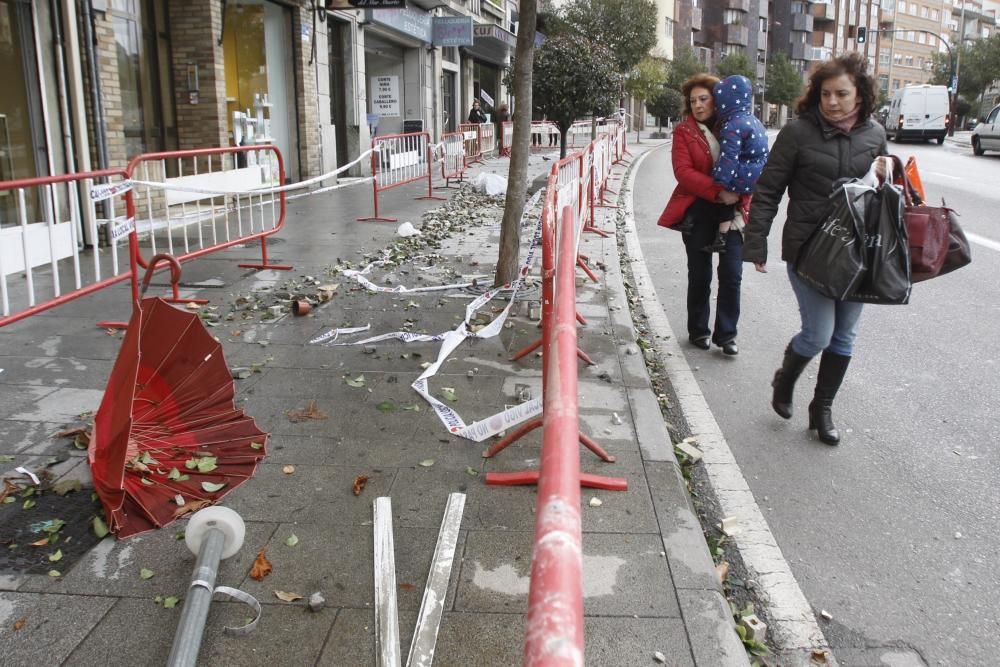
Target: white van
919, 112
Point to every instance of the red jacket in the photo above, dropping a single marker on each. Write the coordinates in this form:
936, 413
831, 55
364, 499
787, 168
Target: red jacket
692, 160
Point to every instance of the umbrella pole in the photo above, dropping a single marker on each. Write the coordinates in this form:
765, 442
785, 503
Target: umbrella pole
187, 641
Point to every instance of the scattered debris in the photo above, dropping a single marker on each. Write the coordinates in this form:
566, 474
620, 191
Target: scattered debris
730, 526
292, 540
261, 566
721, 572
287, 597
146, 573
316, 601
189, 507
305, 414
659, 657
359, 484
596, 502
690, 451
427, 463
827, 616
19, 623
288, 470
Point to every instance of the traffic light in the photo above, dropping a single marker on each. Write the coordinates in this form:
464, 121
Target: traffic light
862, 34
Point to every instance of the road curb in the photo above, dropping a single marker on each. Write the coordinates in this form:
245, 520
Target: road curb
794, 629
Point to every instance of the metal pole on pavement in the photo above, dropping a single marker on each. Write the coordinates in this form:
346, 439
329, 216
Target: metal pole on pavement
187, 641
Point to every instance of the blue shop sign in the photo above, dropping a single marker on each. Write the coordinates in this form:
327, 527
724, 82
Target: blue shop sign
407, 21
452, 31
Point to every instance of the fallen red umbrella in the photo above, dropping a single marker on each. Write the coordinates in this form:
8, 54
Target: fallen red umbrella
168, 432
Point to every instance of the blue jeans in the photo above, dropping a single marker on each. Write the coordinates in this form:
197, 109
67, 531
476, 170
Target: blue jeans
827, 324
699, 290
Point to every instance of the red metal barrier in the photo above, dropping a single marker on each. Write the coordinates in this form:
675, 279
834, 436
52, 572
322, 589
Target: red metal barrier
398, 159
453, 157
219, 198
53, 238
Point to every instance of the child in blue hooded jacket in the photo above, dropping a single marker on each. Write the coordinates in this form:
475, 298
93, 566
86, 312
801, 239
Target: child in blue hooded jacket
743, 143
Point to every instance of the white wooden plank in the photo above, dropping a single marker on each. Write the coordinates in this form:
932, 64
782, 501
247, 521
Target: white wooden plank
386, 617
432, 607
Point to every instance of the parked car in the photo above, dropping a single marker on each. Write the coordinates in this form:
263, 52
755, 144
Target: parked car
986, 136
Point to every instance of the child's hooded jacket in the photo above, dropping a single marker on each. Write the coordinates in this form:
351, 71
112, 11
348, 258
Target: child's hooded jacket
743, 139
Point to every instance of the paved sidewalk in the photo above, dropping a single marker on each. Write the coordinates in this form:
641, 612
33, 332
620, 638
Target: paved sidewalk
649, 583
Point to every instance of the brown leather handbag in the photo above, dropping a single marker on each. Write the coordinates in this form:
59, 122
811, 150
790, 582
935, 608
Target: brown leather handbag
937, 242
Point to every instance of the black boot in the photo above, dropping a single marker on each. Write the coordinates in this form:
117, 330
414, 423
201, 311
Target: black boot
832, 368
718, 245
784, 381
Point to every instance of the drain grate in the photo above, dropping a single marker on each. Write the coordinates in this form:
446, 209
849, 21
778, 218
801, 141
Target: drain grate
20, 527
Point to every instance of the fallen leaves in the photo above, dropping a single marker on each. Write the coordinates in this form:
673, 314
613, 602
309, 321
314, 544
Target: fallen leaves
427, 463
359, 484
56, 557
44, 542
356, 382
292, 540
202, 464
146, 573
448, 393
386, 406
305, 414
66, 486
176, 475
101, 528
212, 487
261, 566
191, 506
19, 623
287, 597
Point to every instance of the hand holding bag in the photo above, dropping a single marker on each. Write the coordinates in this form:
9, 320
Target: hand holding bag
937, 242
887, 277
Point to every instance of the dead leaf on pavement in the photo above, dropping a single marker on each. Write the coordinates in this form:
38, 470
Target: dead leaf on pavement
722, 571
287, 597
288, 470
359, 484
71, 432
40, 543
306, 413
191, 506
406, 586
261, 566
19, 623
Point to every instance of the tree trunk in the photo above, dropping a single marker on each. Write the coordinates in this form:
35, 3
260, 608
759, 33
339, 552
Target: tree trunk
563, 136
517, 176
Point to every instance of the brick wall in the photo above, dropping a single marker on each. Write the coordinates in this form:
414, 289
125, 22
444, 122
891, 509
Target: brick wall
111, 95
306, 93
195, 26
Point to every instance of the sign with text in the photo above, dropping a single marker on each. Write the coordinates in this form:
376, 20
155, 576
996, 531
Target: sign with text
493, 31
362, 4
385, 96
452, 30
409, 22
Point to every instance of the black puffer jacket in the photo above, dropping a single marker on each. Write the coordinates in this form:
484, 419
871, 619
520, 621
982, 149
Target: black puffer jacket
808, 157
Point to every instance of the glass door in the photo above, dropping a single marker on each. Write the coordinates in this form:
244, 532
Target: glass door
448, 101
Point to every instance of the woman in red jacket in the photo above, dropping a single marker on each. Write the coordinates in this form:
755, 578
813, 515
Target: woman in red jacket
700, 204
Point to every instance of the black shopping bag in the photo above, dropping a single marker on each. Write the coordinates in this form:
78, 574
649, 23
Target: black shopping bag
887, 279
832, 260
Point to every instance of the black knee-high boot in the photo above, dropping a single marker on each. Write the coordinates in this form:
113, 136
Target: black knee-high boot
832, 368
784, 381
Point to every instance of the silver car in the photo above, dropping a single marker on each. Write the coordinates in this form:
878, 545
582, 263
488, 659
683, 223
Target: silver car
986, 136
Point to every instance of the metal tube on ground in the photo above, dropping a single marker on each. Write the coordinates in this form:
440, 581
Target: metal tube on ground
187, 640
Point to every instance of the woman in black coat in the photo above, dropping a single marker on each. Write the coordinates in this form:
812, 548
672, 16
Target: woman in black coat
476, 114
834, 137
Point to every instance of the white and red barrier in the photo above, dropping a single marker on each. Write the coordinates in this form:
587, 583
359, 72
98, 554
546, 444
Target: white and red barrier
506, 137
193, 202
473, 144
50, 232
399, 159
453, 163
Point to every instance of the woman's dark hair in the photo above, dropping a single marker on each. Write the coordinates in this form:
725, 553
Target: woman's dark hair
706, 81
853, 65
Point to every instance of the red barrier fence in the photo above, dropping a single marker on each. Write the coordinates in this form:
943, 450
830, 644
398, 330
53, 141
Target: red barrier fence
398, 159
194, 202
49, 233
453, 161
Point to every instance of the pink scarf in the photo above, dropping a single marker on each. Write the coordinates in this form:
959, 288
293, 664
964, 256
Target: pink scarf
845, 121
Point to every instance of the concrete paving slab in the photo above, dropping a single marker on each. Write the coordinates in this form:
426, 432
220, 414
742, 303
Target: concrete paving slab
311, 494
64, 404
352, 639
54, 371
19, 436
614, 641
53, 626
496, 570
710, 629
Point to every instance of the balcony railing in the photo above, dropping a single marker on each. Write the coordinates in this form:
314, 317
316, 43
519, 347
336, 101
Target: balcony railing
736, 34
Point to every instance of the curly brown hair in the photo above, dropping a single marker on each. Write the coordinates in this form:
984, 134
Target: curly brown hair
706, 81
853, 65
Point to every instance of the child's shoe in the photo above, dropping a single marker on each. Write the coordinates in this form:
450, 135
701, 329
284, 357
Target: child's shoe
719, 245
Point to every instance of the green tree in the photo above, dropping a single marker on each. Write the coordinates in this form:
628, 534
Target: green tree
666, 105
735, 63
573, 78
626, 27
784, 83
646, 79
684, 65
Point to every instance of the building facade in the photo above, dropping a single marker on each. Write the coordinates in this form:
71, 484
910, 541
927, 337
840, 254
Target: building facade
93, 83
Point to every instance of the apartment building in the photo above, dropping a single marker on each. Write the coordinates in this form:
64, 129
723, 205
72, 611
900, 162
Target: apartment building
913, 31
813, 31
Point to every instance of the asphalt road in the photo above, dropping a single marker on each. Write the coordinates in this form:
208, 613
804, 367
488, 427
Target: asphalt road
895, 532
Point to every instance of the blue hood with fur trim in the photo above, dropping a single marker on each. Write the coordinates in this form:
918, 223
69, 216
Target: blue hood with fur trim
742, 138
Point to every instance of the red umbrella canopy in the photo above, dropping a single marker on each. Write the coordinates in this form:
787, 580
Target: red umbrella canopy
168, 432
